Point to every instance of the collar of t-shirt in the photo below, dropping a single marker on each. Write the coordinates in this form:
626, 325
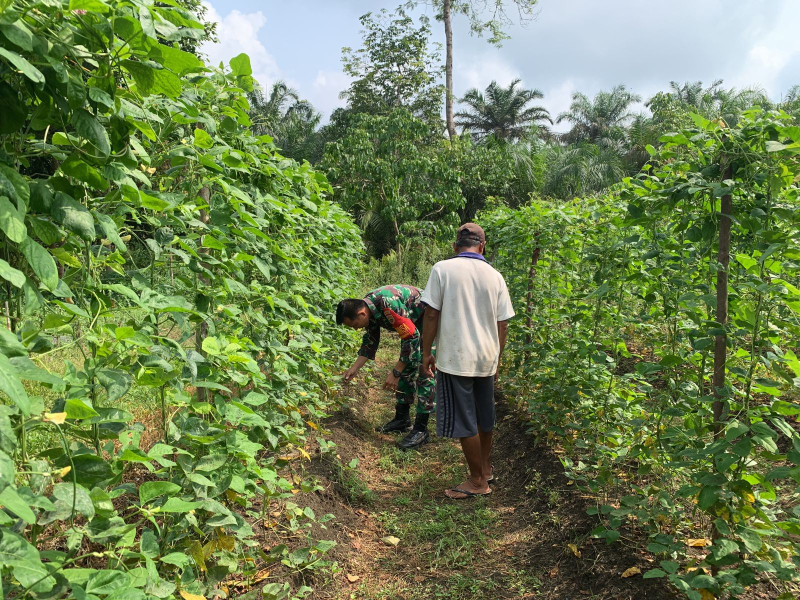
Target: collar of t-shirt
474, 255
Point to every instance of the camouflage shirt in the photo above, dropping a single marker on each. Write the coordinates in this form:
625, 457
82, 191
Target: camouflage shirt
397, 308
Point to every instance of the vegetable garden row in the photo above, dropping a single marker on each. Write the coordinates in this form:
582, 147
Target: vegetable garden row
154, 253
671, 379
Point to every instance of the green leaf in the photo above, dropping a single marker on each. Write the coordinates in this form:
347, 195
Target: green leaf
90, 469
12, 501
89, 5
116, 383
722, 548
19, 187
25, 562
176, 60
177, 505
202, 139
107, 581
240, 65
89, 128
654, 574
708, 496
153, 81
212, 462
12, 275
211, 346
153, 489
74, 216
110, 230
22, 64
751, 539
12, 387
41, 262
76, 167
77, 409
18, 34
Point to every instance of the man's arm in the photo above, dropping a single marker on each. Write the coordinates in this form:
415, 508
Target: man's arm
502, 334
430, 327
351, 372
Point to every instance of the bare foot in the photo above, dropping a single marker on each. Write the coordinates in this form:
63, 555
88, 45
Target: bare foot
468, 489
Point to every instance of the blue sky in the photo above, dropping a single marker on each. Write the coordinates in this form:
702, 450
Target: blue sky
573, 45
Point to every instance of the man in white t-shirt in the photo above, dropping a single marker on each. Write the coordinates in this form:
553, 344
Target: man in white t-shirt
467, 314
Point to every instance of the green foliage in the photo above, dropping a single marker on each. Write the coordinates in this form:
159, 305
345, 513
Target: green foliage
186, 261
503, 112
395, 178
289, 120
394, 68
615, 348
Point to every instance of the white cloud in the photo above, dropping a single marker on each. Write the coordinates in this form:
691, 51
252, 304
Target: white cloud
326, 89
237, 33
481, 72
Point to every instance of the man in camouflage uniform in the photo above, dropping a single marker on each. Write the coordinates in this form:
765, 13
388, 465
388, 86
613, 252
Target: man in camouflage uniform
397, 308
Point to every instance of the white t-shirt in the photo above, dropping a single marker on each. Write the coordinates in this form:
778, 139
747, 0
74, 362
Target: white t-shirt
471, 297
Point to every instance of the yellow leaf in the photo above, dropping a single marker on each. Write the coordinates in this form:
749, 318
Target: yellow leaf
187, 596
304, 454
313, 425
631, 572
574, 549
63, 472
749, 497
706, 595
226, 542
698, 542
352, 578
196, 552
57, 418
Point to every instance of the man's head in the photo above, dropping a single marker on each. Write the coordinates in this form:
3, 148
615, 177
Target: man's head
352, 312
470, 238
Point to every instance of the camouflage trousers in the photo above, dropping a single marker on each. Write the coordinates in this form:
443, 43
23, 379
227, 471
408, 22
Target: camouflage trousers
414, 382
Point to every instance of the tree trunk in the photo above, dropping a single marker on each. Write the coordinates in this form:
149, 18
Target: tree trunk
448, 69
720, 341
202, 329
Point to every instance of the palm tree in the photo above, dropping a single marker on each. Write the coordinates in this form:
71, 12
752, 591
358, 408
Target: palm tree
503, 112
602, 120
288, 119
580, 169
712, 102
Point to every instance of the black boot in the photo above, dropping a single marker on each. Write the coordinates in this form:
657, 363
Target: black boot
418, 435
401, 421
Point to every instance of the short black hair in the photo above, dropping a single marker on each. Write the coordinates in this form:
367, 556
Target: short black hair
348, 309
468, 242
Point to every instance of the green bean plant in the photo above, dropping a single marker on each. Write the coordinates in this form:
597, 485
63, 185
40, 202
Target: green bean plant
657, 343
152, 248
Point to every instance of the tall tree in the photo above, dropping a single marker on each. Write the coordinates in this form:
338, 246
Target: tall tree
503, 112
485, 17
288, 119
602, 120
389, 175
394, 68
713, 102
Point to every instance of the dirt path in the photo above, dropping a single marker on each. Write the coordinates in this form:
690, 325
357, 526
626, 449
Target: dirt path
530, 539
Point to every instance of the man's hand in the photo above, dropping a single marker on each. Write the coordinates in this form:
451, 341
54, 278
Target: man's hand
349, 374
428, 365
391, 382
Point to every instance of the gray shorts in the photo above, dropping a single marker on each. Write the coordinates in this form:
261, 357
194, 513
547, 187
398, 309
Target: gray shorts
463, 405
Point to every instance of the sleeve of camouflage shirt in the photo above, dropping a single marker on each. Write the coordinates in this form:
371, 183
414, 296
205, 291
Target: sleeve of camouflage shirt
395, 312
371, 340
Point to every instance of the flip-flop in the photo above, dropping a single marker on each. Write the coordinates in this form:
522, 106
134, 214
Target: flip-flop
491, 477
467, 494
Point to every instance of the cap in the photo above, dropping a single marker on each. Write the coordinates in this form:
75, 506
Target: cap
470, 231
